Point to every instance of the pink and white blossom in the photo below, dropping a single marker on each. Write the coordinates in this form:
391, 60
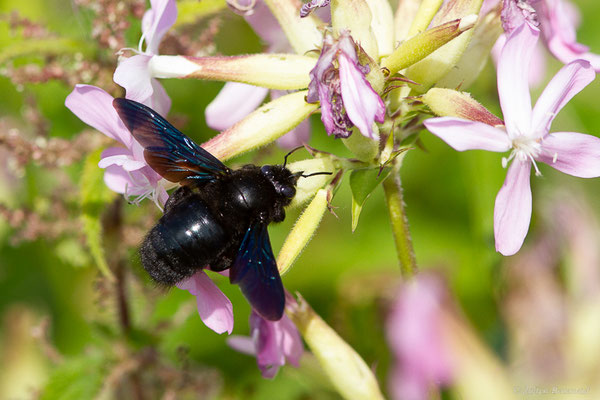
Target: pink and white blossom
526, 134
347, 98
134, 73
126, 170
415, 334
272, 342
214, 307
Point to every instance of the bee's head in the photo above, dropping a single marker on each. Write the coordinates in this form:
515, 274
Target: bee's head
283, 180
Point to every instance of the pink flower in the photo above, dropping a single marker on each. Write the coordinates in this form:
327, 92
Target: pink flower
414, 331
272, 342
236, 100
516, 12
126, 169
214, 307
134, 73
526, 134
347, 99
558, 21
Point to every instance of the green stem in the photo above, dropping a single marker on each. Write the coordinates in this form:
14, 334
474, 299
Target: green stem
395, 202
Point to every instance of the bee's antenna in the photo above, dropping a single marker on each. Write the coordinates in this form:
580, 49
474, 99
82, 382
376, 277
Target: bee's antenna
317, 173
289, 154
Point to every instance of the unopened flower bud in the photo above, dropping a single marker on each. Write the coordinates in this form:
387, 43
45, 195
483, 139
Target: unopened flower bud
382, 25
420, 12
452, 103
348, 372
425, 44
303, 231
273, 71
485, 35
354, 16
262, 126
439, 63
303, 33
307, 187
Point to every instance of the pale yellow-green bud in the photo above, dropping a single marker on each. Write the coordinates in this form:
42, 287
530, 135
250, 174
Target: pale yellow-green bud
364, 148
355, 17
382, 24
435, 66
262, 126
307, 187
405, 16
273, 71
452, 103
303, 33
423, 17
485, 34
303, 230
424, 44
348, 372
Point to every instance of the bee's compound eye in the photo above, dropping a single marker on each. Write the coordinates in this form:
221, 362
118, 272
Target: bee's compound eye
288, 191
267, 170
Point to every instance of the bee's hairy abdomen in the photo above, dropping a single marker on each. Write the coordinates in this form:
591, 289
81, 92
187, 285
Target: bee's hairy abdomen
187, 237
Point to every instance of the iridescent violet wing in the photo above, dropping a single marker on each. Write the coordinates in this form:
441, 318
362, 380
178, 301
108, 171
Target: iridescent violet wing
169, 152
255, 270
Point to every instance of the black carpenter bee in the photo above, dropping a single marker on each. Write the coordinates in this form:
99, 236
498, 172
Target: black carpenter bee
217, 218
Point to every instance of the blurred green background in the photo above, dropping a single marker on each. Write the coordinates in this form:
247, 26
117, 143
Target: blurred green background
59, 319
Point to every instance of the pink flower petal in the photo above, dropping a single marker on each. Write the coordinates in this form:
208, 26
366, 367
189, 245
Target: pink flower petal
243, 344
117, 179
296, 137
266, 26
234, 102
415, 333
134, 75
157, 21
558, 21
363, 105
160, 100
326, 109
462, 134
537, 69
291, 342
267, 342
162, 195
214, 307
94, 106
512, 211
573, 153
569, 81
513, 86
121, 157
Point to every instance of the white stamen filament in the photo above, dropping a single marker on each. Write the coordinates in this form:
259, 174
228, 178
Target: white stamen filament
148, 192
525, 149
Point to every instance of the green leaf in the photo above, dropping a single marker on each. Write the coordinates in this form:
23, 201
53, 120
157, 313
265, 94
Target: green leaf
94, 196
362, 183
76, 379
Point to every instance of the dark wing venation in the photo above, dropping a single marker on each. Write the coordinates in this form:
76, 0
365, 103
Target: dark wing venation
255, 270
168, 151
